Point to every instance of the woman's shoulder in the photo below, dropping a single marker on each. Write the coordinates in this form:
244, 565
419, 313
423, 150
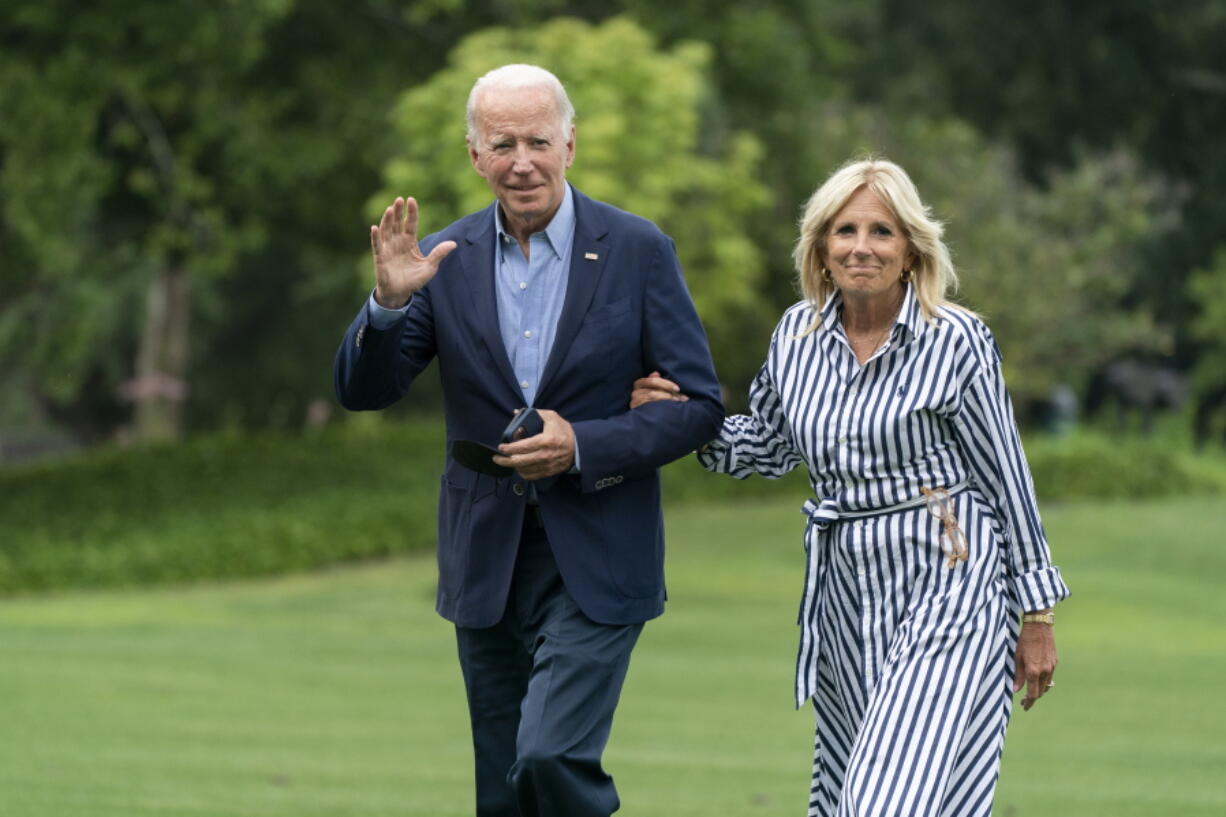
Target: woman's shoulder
964, 327
794, 321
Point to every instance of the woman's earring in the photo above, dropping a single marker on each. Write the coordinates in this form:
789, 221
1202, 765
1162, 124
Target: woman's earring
826, 276
906, 276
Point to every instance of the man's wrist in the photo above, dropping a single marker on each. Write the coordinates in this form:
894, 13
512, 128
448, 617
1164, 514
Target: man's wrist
391, 303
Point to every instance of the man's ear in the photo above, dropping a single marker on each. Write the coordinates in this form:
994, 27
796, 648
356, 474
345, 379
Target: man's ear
570, 147
473, 156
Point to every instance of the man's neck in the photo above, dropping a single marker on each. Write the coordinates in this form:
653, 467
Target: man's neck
522, 231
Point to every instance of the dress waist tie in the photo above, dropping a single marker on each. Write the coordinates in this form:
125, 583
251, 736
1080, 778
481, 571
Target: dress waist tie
822, 515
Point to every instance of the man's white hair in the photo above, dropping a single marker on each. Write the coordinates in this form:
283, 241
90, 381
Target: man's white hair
518, 75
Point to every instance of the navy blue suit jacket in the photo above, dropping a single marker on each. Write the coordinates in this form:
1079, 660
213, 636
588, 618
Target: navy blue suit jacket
626, 313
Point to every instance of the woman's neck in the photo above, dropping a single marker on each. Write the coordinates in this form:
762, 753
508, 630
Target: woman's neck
869, 314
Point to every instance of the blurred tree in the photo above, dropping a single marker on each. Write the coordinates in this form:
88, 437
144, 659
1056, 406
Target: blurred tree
182, 189
1056, 79
113, 122
643, 144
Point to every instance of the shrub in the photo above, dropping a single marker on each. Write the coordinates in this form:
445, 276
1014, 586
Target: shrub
1092, 465
219, 506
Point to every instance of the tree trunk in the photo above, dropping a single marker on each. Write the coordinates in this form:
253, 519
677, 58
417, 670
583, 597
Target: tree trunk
160, 388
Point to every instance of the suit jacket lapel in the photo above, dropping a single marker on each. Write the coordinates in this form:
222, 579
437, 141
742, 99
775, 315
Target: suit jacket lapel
477, 258
587, 262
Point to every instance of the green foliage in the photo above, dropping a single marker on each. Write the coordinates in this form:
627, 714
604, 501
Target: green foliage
644, 144
224, 505
1090, 465
1207, 288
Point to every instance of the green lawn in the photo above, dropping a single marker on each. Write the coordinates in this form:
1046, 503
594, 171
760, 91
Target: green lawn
337, 693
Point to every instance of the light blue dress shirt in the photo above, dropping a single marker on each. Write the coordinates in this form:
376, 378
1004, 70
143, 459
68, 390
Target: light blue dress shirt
529, 293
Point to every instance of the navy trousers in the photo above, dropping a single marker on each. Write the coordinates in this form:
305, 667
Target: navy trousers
542, 686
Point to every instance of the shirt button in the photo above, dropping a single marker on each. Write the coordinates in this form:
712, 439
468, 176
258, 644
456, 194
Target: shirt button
842, 441
523, 384
528, 334
517, 489
523, 284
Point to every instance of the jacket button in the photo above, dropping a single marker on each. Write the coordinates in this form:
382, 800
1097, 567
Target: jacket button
517, 489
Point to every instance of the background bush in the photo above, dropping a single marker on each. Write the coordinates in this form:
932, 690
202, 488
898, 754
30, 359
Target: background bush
219, 506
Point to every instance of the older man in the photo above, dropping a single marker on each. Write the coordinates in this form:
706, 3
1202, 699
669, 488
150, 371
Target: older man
552, 300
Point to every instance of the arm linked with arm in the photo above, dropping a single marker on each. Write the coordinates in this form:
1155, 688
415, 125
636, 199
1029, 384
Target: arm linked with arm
756, 443
634, 443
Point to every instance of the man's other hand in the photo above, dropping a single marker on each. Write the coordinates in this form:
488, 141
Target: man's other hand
548, 453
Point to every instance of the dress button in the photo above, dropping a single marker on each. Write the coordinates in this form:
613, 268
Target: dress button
517, 489
842, 441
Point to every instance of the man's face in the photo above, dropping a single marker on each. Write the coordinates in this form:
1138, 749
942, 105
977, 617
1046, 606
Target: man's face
520, 149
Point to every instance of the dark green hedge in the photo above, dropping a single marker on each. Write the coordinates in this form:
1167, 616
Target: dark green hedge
226, 506
219, 506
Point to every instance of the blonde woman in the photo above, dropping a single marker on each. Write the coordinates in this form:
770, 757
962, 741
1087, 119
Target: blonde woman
928, 582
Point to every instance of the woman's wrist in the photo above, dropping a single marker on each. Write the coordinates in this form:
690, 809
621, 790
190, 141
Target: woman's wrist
1045, 616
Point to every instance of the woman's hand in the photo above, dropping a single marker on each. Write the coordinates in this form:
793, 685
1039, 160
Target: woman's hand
1036, 662
654, 387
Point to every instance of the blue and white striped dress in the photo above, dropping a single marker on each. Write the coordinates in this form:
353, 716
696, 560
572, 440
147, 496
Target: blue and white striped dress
909, 661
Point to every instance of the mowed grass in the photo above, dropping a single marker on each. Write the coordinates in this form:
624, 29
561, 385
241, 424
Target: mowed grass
337, 693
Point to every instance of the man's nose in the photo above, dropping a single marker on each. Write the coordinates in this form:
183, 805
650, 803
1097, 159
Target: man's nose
523, 160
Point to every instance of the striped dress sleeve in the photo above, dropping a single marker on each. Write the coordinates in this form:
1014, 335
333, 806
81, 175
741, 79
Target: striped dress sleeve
756, 443
989, 439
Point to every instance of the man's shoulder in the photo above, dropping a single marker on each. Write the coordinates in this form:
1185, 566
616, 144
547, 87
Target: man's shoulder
616, 219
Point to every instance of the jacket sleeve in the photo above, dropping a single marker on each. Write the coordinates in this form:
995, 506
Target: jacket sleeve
635, 443
375, 367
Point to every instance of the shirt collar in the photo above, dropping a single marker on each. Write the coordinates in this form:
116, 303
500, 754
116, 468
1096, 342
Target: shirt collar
558, 232
910, 315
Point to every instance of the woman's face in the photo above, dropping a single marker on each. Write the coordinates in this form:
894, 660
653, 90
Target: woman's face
866, 249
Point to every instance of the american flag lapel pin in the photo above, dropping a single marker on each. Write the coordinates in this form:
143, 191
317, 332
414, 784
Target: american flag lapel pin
591, 256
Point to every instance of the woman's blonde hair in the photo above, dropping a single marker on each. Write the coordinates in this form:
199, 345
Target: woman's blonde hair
932, 274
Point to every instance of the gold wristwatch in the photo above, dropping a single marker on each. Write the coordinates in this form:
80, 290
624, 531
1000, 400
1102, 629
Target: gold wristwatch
1040, 618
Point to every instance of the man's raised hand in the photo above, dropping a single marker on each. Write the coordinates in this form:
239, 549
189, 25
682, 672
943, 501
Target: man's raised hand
400, 268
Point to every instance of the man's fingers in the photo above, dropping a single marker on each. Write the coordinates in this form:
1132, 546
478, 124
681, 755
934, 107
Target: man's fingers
410, 226
374, 240
440, 252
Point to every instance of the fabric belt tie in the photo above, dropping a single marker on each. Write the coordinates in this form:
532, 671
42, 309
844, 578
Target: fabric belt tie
824, 513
